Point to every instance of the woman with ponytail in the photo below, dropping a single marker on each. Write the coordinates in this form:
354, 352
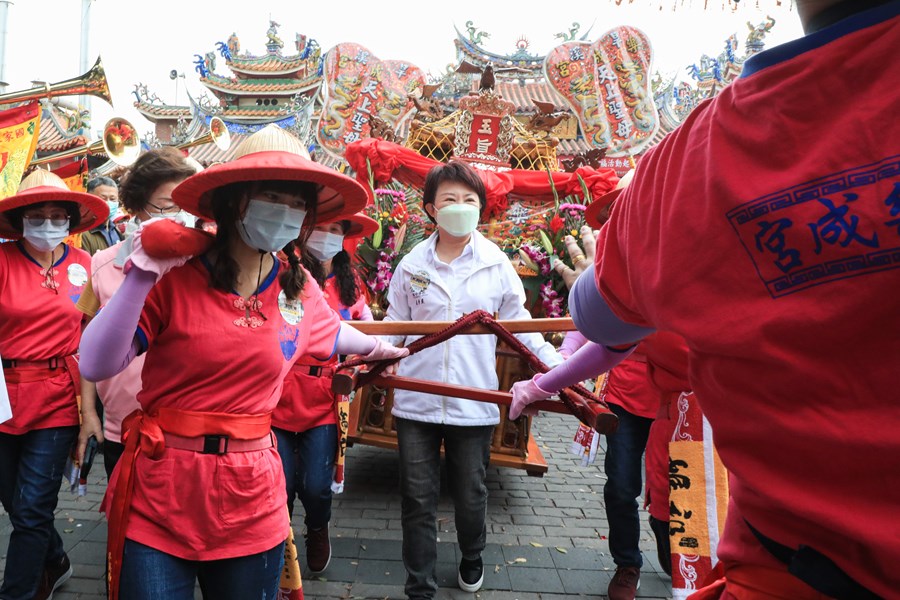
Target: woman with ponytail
199, 491
305, 421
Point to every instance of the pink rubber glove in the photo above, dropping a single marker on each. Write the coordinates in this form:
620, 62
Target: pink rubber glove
139, 259
525, 393
385, 351
353, 341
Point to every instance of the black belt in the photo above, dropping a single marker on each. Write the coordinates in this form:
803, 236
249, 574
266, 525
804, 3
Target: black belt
815, 569
316, 371
50, 363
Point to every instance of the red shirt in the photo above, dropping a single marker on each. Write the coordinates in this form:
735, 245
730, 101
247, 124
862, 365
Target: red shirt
203, 355
778, 265
629, 386
38, 322
307, 400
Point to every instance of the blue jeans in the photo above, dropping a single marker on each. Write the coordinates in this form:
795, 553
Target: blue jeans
308, 461
624, 450
31, 470
149, 574
467, 451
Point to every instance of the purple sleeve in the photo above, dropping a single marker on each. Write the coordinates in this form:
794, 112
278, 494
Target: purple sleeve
588, 362
109, 344
594, 318
573, 341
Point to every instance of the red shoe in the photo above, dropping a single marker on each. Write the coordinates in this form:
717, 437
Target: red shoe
53, 577
318, 549
624, 584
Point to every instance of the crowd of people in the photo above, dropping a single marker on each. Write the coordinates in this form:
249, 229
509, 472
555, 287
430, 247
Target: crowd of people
745, 273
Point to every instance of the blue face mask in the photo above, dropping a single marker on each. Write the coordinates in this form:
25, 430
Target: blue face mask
268, 227
323, 245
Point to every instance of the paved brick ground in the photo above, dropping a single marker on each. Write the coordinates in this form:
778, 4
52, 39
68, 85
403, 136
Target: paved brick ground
555, 523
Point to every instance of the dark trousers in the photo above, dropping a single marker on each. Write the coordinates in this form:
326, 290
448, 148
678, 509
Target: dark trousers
112, 452
149, 574
308, 461
467, 451
624, 477
31, 470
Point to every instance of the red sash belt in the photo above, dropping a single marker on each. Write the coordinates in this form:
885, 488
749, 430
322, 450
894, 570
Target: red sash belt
26, 371
214, 433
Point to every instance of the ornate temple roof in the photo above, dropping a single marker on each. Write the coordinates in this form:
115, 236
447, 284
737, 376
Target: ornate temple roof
519, 65
270, 64
210, 153
61, 129
294, 79
250, 87
155, 112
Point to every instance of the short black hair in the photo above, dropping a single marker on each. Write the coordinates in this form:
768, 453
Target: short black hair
16, 215
455, 170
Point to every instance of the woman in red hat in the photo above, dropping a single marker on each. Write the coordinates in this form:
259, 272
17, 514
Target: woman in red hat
40, 281
199, 491
306, 419
146, 193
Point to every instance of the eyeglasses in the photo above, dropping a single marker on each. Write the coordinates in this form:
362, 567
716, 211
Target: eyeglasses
169, 210
38, 221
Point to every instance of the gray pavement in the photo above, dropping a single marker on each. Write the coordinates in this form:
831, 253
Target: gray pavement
546, 535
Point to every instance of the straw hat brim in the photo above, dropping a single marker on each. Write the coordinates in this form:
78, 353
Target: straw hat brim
592, 211
339, 195
93, 209
360, 225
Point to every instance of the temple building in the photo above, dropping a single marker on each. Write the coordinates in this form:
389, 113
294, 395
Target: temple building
283, 86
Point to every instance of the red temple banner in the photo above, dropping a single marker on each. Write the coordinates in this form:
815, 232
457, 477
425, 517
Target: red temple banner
607, 84
358, 86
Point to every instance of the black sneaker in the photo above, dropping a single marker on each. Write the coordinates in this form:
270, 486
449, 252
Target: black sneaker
54, 576
471, 574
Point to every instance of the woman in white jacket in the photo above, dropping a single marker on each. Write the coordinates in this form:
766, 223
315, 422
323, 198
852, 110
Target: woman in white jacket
454, 272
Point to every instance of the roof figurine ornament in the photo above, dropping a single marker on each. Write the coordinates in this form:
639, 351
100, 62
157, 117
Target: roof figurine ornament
428, 109
546, 118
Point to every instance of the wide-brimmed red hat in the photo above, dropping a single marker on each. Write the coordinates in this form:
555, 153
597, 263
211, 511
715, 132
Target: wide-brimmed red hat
361, 225
592, 211
44, 186
273, 154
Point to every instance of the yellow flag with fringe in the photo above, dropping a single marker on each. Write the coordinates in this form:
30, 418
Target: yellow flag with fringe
18, 138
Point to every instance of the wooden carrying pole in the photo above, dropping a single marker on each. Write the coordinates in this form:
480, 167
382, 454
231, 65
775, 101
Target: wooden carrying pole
427, 327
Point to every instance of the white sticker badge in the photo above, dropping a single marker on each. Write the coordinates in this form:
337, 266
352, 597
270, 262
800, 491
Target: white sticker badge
291, 310
419, 283
77, 275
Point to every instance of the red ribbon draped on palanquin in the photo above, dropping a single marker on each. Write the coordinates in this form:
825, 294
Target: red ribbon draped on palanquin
389, 161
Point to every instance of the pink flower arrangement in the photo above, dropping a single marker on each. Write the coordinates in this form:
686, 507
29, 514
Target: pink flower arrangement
551, 300
380, 253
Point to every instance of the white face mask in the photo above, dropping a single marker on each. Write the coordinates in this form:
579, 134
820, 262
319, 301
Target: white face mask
268, 227
458, 219
176, 216
131, 226
324, 245
46, 236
